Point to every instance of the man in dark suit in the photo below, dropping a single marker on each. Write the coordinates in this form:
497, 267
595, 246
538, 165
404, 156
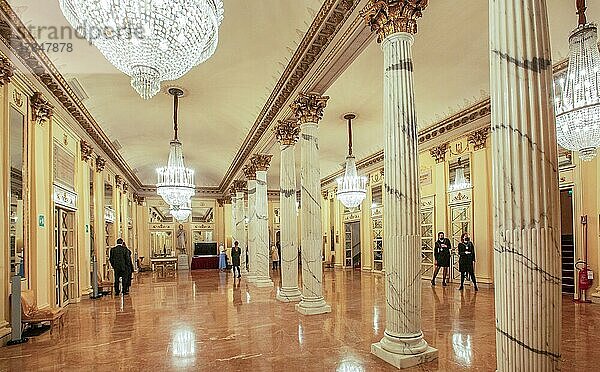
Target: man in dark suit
120, 260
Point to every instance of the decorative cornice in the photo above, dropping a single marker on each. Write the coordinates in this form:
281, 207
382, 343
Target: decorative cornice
328, 21
261, 162
41, 109
86, 150
387, 17
24, 46
100, 163
478, 138
249, 172
239, 186
308, 107
287, 132
6, 70
439, 152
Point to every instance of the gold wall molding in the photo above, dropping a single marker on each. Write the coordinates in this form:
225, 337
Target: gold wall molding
287, 132
17, 98
41, 109
6, 70
308, 107
439, 152
261, 162
387, 17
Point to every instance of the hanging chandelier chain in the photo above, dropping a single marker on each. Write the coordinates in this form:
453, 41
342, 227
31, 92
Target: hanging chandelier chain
175, 111
581, 8
349, 136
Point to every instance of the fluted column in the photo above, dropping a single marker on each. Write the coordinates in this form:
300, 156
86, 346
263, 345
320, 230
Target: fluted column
527, 264
403, 344
261, 162
308, 109
240, 221
233, 216
287, 133
250, 173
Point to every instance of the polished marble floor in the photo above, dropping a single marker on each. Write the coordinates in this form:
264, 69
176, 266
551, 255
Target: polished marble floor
207, 321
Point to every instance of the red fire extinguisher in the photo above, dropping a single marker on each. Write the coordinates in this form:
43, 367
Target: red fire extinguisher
585, 275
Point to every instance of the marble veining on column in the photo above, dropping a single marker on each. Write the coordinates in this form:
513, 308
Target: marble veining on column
527, 263
251, 230
262, 248
241, 228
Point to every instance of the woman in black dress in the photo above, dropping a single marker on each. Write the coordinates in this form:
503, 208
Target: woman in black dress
441, 253
466, 252
236, 252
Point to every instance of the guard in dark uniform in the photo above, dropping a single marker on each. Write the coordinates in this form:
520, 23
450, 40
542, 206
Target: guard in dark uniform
236, 252
441, 253
466, 252
120, 260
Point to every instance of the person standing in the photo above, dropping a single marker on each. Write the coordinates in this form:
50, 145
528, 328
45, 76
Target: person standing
441, 253
466, 251
222, 259
120, 260
274, 256
236, 253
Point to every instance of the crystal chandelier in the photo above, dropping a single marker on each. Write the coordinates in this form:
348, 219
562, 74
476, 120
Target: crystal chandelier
175, 182
352, 188
181, 213
149, 40
577, 103
460, 181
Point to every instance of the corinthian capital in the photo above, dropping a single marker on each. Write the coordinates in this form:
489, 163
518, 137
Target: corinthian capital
238, 186
287, 132
41, 109
6, 70
261, 162
308, 108
249, 172
387, 17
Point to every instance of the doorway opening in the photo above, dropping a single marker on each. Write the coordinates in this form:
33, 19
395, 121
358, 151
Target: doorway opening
567, 241
352, 245
65, 257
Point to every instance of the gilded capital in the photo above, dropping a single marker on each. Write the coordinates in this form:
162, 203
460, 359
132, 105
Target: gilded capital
100, 164
6, 70
249, 172
287, 132
439, 152
239, 185
41, 109
387, 17
125, 187
86, 150
261, 162
119, 181
308, 108
478, 138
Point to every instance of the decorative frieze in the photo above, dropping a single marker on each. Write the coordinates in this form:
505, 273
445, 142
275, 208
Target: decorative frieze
287, 132
64, 197
478, 138
439, 152
86, 150
308, 108
387, 17
6, 70
41, 109
100, 163
250, 172
261, 162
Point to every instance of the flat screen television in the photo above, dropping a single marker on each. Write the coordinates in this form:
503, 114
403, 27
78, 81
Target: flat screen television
205, 249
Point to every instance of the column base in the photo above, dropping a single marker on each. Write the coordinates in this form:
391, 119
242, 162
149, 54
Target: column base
595, 297
402, 361
289, 295
313, 307
262, 282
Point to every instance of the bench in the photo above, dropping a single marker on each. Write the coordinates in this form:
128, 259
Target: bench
32, 315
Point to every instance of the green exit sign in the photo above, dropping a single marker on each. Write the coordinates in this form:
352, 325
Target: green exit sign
41, 220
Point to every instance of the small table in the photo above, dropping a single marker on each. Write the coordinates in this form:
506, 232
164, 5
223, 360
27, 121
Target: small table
205, 262
163, 261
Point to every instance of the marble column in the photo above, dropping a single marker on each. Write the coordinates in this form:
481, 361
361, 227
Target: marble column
308, 109
233, 216
526, 208
250, 173
287, 133
261, 163
403, 344
240, 222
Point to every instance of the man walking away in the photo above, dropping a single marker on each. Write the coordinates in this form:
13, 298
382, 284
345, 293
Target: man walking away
120, 260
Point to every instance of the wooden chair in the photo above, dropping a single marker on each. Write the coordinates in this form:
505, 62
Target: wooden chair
32, 315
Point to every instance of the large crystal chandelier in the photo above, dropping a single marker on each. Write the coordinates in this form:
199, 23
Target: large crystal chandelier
175, 182
352, 188
577, 103
460, 181
149, 40
181, 213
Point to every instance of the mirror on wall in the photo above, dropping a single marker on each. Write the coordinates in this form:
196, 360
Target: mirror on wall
203, 211
161, 244
377, 196
158, 211
17, 182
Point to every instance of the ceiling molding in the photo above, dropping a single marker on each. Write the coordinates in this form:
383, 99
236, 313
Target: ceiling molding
324, 28
16, 36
